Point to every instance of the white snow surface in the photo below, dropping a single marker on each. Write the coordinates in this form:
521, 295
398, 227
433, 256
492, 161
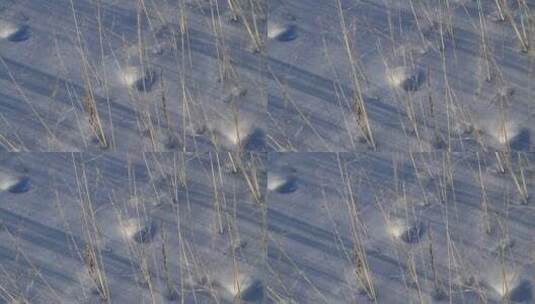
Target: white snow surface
254, 151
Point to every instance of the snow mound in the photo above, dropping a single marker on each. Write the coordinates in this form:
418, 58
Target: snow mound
509, 283
405, 78
237, 133
13, 184
510, 133
504, 281
282, 32
281, 183
505, 132
242, 133
246, 287
407, 231
137, 78
13, 32
137, 229
7, 29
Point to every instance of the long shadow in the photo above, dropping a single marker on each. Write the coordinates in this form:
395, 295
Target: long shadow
118, 22
11, 257
314, 272
41, 82
294, 77
58, 241
14, 107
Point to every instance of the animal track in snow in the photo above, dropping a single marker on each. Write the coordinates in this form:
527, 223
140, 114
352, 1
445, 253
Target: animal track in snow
407, 231
246, 287
282, 183
236, 134
243, 133
510, 133
509, 284
13, 32
14, 184
138, 78
139, 230
405, 78
282, 33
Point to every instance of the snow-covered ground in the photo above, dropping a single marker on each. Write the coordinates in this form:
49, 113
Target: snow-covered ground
267, 228
303, 75
161, 228
401, 228
254, 151
162, 75
432, 74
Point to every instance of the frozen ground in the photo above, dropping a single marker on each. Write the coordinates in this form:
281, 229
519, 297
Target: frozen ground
252, 151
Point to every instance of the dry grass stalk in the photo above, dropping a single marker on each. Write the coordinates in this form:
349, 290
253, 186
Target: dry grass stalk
363, 273
250, 24
359, 107
95, 272
90, 108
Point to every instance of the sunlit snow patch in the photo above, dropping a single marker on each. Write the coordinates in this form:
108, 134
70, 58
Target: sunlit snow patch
242, 133
282, 32
246, 287
237, 133
13, 32
504, 281
406, 231
137, 229
505, 132
137, 78
405, 78
13, 184
282, 183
